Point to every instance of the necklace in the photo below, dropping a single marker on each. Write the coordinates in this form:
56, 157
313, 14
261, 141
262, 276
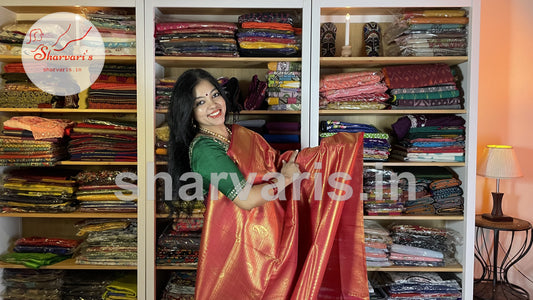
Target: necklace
219, 136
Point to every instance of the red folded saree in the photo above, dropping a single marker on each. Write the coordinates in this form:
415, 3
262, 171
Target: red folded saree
311, 248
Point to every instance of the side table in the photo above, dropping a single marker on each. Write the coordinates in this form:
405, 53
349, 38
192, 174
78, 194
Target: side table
494, 283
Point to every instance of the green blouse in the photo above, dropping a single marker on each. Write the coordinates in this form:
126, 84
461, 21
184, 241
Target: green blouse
208, 156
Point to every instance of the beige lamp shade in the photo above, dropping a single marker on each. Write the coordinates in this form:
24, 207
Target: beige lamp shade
498, 161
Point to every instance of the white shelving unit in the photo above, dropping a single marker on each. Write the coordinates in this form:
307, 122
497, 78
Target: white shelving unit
15, 225
380, 11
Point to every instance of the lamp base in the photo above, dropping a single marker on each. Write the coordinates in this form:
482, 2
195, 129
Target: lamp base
492, 218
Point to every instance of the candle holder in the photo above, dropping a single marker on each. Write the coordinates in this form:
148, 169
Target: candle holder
346, 51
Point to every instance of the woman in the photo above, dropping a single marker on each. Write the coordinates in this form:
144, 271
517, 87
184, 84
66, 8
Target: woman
270, 232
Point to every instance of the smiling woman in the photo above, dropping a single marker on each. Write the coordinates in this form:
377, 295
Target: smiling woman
265, 213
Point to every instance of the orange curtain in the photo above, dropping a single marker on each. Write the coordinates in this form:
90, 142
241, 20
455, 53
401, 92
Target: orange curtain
309, 246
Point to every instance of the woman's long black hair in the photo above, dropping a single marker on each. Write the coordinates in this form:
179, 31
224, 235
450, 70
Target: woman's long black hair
183, 127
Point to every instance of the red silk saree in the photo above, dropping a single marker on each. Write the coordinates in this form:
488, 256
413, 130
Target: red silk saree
309, 246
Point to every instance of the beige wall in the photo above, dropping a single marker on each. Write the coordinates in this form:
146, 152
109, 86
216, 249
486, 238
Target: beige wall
506, 109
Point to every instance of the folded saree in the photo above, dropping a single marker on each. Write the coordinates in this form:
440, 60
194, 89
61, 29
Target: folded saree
287, 249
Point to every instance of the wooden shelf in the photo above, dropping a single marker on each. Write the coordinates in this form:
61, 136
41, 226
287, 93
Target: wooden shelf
182, 268
70, 264
253, 112
324, 112
72, 215
393, 163
110, 59
95, 163
456, 268
352, 62
69, 110
220, 62
415, 218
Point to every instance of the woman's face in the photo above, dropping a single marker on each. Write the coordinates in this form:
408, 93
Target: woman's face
209, 105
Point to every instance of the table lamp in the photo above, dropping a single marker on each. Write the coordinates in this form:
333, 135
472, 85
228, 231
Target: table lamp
498, 161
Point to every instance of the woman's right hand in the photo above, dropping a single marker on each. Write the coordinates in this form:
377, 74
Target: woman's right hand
290, 169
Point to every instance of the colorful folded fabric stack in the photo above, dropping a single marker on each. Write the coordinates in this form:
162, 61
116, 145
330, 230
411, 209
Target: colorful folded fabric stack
162, 134
355, 90
376, 145
415, 245
32, 284
33, 141
377, 242
115, 88
98, 191
87, 284
438, 138
283, 135
123, 288
35, 252
179, 244
163, 92
215, 39
383, 195
448, 196
18, 90
284, 84
109, 242
103, 140
428, 86
431, 32
11, 38
38, 190
268, 34
419, 285
180, 286
117, 28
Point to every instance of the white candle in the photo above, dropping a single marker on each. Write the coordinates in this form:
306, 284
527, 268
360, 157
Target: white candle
347, 37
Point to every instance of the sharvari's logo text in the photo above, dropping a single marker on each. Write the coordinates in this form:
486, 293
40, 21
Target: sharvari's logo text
63, 54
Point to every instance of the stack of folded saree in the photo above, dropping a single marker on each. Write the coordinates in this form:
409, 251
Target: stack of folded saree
33, 141
163, 92
415, 245
376, 145
284, 85
98, 192
437, 138
355, 90
268, 34
35, 252
162, 134
115, 88
429, 86
283, 135
32, 284
448, 196
214, 39
38, 190
117, 28
383, 195
124, 288
86, 284
431, 32
180, 286
18, 90
109, 242
103, 140
179, 244
377, 242
12, 36
419, 285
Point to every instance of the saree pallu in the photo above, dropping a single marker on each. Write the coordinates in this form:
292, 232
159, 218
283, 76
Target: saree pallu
288, 249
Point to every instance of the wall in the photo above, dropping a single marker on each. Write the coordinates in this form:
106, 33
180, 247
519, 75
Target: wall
505, 115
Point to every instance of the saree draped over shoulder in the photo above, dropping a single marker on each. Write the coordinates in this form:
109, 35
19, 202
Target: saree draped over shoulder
309, 246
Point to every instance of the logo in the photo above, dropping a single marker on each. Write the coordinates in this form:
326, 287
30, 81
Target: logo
63, 54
